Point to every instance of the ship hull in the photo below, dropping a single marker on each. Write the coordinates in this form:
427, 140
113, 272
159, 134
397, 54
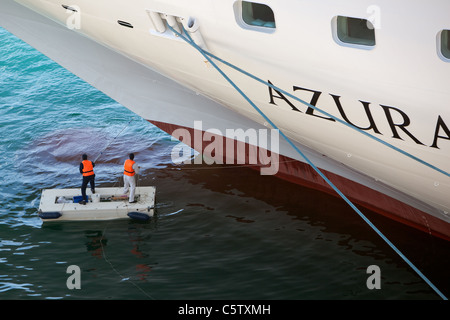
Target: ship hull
167, 102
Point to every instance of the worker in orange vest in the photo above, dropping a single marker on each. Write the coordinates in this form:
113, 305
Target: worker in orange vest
87, 170
130, 169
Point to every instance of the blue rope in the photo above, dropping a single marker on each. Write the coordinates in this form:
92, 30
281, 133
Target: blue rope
191, 42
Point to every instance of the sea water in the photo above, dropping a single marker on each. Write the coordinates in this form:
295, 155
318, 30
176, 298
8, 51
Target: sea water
220, 232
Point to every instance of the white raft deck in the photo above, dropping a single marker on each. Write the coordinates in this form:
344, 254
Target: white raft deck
105, 204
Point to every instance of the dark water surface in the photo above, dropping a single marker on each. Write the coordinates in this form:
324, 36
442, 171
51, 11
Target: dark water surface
220, 232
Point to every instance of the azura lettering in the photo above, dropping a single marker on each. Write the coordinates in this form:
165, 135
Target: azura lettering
235, 146
396, 119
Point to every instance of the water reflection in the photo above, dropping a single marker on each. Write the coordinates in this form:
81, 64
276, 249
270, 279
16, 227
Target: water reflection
255, 197
95, 243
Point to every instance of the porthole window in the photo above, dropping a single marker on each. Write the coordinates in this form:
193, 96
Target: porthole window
445, 43
257, 14
355, 31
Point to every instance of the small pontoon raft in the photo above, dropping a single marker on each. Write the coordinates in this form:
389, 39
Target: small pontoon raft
105, 204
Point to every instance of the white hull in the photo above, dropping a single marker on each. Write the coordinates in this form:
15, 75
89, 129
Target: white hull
166, 81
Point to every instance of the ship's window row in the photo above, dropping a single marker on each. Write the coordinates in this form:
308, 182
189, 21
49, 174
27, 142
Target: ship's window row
347, 31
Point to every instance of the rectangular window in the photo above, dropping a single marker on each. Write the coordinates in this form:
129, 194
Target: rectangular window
257, 14
445, 43
355, 31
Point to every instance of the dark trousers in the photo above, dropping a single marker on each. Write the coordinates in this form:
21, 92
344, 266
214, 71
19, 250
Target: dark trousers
86, 180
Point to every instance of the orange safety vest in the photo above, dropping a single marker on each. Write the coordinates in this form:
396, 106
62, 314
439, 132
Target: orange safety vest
88, 168
128, 167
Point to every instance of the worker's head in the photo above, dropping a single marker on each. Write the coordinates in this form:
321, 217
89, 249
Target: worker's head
131, 156
84, 156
